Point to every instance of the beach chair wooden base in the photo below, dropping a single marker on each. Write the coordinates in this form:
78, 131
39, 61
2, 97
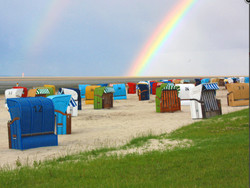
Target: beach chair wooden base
208, 114
107, 101
212, 106
170, 102
232, 102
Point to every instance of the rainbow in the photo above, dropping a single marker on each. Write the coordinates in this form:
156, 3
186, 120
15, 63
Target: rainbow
160, 36
48, 22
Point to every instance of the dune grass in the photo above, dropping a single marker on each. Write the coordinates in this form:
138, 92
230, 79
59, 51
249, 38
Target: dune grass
218, 157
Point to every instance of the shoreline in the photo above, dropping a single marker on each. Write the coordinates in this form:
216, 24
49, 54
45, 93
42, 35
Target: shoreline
73, 82
48, 78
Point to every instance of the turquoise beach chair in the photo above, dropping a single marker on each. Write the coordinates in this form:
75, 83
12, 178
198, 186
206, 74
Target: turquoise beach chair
63, 120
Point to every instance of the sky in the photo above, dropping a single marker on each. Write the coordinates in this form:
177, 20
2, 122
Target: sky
104, 38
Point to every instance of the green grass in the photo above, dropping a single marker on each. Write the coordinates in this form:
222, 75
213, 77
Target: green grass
218, 157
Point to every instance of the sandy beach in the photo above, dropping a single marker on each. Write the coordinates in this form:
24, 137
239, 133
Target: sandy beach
106, 127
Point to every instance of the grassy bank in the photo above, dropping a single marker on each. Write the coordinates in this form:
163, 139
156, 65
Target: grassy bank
217, 157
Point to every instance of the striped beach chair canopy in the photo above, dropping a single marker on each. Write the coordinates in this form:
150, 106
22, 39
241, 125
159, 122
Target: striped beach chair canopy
109, 90
165, 81
72, 102
171, 87
41, 91
212, 86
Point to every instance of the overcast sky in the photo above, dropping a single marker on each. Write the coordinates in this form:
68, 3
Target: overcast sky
103, 38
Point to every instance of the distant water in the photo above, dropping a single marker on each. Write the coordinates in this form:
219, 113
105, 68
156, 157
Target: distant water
69, 82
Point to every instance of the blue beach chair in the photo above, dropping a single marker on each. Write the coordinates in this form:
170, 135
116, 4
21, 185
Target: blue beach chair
63, 120
120, 91
205, 81
247, 80
32, 123
143, 92
82, 88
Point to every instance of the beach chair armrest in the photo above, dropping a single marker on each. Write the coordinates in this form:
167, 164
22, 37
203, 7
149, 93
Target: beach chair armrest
199, 101
15, 119
60, 112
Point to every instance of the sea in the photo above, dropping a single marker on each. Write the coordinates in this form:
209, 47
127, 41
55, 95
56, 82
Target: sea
73, 82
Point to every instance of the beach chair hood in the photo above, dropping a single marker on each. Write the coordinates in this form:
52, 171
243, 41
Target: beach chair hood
13, 93
120, 91
32, 123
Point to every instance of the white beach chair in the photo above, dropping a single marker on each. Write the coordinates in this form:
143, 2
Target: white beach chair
184, 93
13, 93
73, 107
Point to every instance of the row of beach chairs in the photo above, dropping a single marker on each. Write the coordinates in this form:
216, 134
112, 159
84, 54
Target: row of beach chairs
36, 121
38, 116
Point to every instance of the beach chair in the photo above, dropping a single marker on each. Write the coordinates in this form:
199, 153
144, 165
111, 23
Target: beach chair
184, 93
32, 123
241, 79
154, 86
120, 91
184, 81
221, 82
108, 97
71, 109
131, 88
38, 92
102, 85
176, 81
103, 98
230, 80
25, 90
205, 81
13, 93
53, 88
82, 88
78, 99
45, 90
151, 85
238, 94
214, 80
167, 99
165, 81
89, 94
63, 119
203, 101
143, 91
247, 80
32, 93
235, 80
197, 81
